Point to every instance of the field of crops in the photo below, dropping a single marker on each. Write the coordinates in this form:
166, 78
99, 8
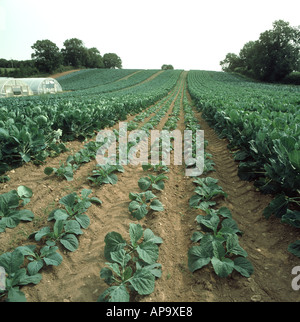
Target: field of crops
72, 230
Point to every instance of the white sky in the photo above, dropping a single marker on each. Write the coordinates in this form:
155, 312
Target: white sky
188, 34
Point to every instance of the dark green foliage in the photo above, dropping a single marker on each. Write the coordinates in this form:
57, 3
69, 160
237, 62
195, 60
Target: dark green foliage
132, 266
270, 58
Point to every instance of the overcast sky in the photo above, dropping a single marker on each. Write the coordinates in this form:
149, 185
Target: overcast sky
188, 34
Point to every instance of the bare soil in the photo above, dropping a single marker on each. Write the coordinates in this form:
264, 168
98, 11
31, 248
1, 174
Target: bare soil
77, 278
64, 73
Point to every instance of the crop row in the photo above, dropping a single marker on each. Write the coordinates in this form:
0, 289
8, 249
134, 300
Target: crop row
216, 239
87, 78
261, 123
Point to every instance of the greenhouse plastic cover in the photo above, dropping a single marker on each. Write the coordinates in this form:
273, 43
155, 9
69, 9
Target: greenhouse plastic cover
43, 85
13, 87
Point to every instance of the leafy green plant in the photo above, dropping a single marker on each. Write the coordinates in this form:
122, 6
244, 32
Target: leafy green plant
64, 171
16, 276
161, 167
37, 259
105, 174
218, 245
142, 203
63, 232
152, 182
208, 163
132, 266
206, 190
75, 208
68, 221
10, 204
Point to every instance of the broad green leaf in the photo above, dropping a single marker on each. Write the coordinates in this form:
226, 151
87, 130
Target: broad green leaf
292, 218
194, 201
73, 227
160, 185
209, 221
58, 227
107, 275
138, 210
197, 258
24, 192
150, 237
26, 279
12, 221
15, 295
277, 206
156, 205
197, 236
68, 200
120, 257
83, 220
154, 268
243, 266
41, 233
218, 249
149, 195
48, 171
70, 242
95, 200
34, 267
113, 242
135, 232
54, 259
294, 158
224, 212
115, 267
115, 294
233, 246
9, 199
127, 273
111, 178
25, 215
148, 252
11, 262
59, 214
85, 193
143, 281
27, 250
222, 267
293, 248
144, 183
231, 223
25, 157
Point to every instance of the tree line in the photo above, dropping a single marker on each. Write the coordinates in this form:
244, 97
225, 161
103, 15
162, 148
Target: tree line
271, 58
47, 58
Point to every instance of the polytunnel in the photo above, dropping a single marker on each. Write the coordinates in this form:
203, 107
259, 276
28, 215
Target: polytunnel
43, 85
10, 87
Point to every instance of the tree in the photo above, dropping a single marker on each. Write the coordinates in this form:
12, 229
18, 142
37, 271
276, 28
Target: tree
46, 56
230, 63
270, 58
94, 59
165, 67
278, 51
111, 60
74, 53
